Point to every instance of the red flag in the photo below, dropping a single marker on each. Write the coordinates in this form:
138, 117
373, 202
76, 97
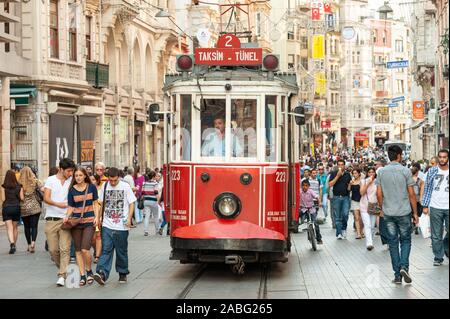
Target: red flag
326, 8
315, 14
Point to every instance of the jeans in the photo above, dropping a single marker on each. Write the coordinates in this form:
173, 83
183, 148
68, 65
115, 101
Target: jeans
164, 222
383, 231
325, 204
438, 218
369, 222
398, 229
118, 240
151, 210
341, 207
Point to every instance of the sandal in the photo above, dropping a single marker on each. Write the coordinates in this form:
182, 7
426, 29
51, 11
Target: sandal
82, 280
90, 277
32, 249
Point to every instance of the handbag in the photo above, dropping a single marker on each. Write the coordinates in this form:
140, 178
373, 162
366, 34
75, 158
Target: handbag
72, 222
372, 208
140, 205
39, 195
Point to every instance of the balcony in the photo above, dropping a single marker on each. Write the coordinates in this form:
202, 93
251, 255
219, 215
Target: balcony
97, 74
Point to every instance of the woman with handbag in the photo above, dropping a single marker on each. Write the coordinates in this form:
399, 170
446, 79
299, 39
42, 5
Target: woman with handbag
368, 206
82, 216
11, 193
31, 206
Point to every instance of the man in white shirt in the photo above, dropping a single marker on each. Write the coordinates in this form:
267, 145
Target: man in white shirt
117, 200
436, 198
214, 143
56, 189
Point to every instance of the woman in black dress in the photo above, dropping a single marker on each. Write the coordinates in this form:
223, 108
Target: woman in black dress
11, 193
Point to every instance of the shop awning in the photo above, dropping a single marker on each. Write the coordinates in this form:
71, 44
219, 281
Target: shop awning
21, 94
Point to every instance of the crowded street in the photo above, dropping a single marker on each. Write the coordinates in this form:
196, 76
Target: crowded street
337, 270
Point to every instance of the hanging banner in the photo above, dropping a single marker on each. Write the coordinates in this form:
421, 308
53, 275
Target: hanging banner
315, 14
321, 83
326, 8
418, 110
61, 139
86, 140
318, 47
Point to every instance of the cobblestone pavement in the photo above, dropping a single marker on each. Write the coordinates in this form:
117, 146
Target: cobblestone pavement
339, 269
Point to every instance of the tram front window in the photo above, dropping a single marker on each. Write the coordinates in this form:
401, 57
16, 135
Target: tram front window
243, 127
213, 127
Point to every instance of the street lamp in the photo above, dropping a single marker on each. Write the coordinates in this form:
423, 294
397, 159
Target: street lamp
384, 10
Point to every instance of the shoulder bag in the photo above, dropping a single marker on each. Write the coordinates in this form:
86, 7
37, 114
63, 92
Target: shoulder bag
74, 221
38, 193
372, 208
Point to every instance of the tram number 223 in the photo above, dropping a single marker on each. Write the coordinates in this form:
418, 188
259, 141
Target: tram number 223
175, 175
280, 177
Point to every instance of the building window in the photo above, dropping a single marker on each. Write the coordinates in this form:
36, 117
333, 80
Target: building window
374, 36
304, 42
399, 45
290, 34
72, 32
291, 62
6, 28
358, 54
384, 38
54, 36
258, 24
88, 38
304, 62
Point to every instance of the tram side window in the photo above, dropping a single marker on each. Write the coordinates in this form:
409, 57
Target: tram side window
213, 127
271, 128
283, 128
175, 129
185, 134
243, 127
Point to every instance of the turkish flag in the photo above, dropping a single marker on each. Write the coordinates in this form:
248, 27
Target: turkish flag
326, 8
315, 14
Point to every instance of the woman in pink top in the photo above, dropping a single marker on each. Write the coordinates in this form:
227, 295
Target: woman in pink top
368, 192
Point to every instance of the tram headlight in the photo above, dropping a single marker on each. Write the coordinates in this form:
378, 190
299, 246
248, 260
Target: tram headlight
227, 205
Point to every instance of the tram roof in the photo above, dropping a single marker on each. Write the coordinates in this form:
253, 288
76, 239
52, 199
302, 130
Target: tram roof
237, 74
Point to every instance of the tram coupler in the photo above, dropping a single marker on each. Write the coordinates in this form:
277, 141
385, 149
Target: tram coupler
232, 259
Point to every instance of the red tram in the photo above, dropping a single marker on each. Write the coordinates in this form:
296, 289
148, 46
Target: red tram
231, 179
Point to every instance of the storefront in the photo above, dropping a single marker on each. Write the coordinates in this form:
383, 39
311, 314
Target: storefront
361, 140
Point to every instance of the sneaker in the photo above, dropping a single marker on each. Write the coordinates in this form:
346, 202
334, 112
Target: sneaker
100, 278
146, 233
61, 282
438, 262
405, 275
319, 242
369, 248
160, 231
397, 280
12, 248
122, 278
339, 237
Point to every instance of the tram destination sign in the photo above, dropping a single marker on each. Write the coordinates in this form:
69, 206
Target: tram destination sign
228, 52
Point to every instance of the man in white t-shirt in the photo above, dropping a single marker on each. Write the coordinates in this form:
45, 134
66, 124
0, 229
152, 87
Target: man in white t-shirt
117, 200
56, 189
436, 198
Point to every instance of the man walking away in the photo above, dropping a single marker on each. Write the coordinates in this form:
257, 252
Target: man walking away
340, 180
118, 200
56, 189
436, 197
395, 194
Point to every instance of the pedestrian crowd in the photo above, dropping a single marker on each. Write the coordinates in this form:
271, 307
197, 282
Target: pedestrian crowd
88, 214
386, 197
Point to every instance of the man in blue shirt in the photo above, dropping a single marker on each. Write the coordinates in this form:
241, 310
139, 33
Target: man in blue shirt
322, 178
214, 144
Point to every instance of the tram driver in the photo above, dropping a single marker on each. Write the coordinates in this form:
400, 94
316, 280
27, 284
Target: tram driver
214, 143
